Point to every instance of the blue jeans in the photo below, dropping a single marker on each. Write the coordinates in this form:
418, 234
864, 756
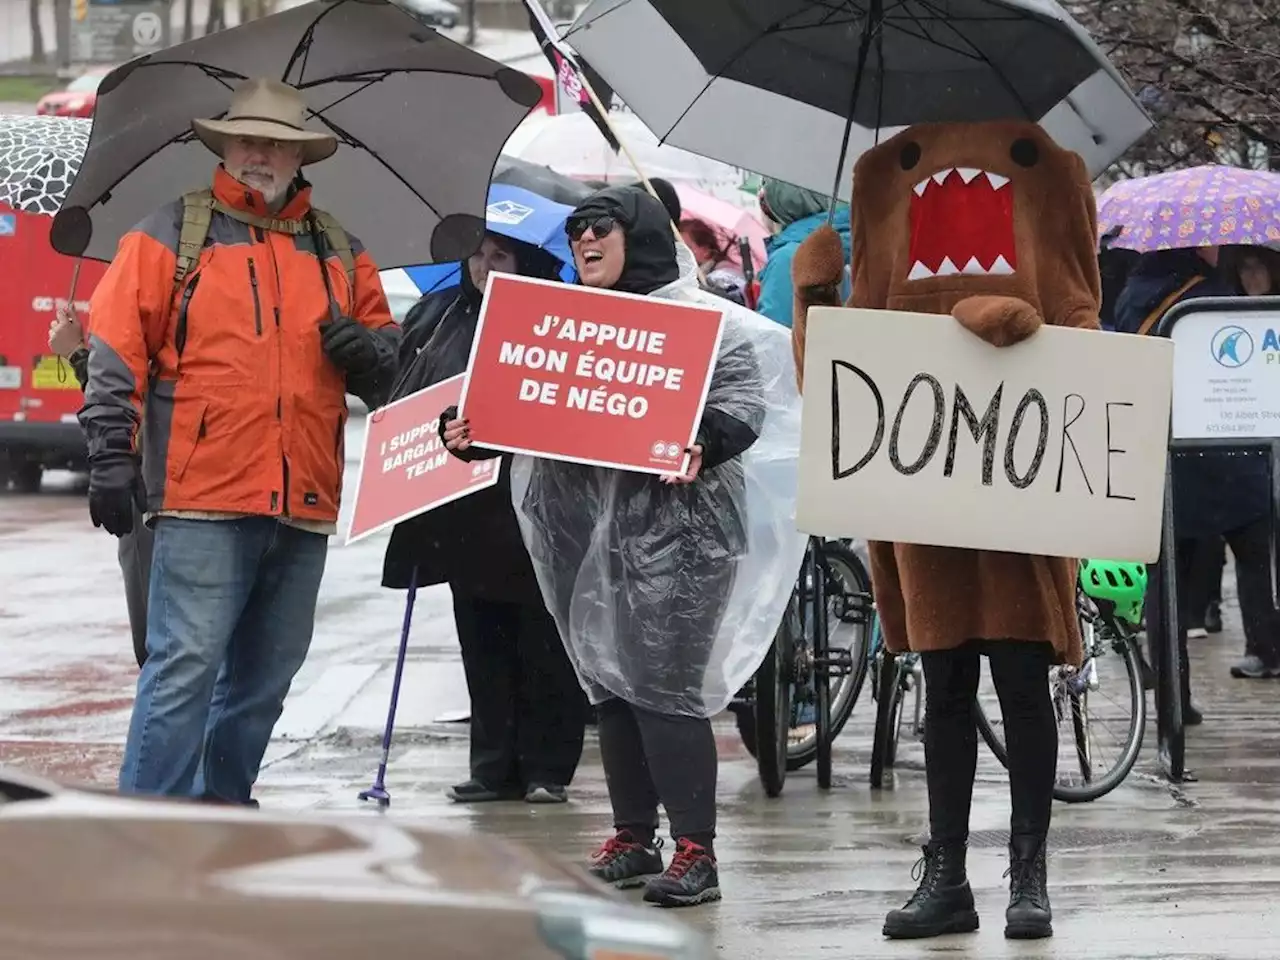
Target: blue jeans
231, 602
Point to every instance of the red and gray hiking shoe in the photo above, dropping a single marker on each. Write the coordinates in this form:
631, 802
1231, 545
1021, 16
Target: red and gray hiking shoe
691, 879
624, 862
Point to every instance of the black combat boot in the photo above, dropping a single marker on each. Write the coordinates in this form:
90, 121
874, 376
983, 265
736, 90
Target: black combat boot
943, 903
1029, 916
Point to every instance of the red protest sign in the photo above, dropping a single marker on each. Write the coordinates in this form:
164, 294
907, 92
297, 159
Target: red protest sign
405, 469
590, 376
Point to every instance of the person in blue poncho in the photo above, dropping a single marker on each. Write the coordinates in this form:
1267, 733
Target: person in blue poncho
798, 212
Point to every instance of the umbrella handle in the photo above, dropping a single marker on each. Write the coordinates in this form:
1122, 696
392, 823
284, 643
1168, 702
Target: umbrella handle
75, 280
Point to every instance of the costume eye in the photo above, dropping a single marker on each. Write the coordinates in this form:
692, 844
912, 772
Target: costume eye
910, 155
1024, 152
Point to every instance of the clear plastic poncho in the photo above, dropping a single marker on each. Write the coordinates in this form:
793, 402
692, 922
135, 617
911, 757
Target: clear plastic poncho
668, 596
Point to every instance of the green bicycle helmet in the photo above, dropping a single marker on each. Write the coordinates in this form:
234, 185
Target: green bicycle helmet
1122, 584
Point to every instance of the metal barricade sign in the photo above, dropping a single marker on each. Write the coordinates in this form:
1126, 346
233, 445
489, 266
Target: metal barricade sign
1226, 402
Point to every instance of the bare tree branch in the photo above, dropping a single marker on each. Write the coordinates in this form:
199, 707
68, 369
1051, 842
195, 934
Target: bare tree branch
1208, 71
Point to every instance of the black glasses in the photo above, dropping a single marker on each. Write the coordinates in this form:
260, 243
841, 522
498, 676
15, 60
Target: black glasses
601, 226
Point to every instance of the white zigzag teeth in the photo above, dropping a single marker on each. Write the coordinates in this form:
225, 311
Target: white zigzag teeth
967, 175
1001, 268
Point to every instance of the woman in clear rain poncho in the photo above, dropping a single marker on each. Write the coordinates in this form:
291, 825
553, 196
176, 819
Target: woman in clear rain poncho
667, 591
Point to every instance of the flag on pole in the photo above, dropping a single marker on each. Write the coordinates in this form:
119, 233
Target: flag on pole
571, 70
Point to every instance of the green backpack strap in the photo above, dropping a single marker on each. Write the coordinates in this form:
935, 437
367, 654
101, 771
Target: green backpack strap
198, 208
197, 214
341, 244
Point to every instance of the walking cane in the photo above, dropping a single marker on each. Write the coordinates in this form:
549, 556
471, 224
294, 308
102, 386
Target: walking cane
378, 791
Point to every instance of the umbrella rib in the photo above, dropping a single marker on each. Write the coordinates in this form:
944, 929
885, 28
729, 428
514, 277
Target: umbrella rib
348, 138
907, 18
775, 27
944, 22
303, 47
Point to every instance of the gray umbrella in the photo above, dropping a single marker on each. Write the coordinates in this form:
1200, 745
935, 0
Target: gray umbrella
796, 89
420, 120
39, 156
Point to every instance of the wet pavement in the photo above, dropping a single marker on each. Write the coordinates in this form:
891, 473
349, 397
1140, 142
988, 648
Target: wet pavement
1153, 870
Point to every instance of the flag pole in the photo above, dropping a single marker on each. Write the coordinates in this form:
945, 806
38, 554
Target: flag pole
635, 164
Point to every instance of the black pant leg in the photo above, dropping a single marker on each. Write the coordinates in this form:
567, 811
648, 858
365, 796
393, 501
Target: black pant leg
1020, 671
1217, 563
626, 770
1185, 552
682, 761
487, 636
950, 740
552, 715
1251, 546
134, 554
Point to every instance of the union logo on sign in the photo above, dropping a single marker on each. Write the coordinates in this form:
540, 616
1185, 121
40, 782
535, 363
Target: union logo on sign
508, 212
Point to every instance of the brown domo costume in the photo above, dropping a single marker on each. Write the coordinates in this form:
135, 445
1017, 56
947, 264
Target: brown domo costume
994, 224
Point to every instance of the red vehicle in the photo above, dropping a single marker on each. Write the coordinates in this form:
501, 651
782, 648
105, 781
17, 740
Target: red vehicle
39, 396
77, 100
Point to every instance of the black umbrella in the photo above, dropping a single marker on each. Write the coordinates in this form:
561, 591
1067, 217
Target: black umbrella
420, 120
541, 180
794, 89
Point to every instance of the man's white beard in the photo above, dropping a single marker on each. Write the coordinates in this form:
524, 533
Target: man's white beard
266, 182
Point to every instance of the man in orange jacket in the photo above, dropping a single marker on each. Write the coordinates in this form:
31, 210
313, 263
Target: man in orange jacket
238, 353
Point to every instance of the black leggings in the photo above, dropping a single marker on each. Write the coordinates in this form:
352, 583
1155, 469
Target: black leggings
656, 757
650, 757
1020, 671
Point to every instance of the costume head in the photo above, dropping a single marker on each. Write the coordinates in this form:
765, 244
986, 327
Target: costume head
947, 211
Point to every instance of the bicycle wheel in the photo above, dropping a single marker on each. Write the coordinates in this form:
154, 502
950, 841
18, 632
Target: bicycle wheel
1102, 703
773, 682
884, 742
848, 636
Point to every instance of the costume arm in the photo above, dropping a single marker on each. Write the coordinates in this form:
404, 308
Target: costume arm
817, 273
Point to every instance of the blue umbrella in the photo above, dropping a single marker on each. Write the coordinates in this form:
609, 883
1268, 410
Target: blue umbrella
516, 213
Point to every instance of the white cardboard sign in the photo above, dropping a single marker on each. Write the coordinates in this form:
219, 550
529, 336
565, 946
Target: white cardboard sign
1226, 374
916, 431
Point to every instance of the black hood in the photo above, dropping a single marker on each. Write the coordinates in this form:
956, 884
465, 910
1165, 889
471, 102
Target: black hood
651, 244
531, 261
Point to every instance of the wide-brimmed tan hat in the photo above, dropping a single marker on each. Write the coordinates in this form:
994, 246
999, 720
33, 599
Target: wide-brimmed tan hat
271, 110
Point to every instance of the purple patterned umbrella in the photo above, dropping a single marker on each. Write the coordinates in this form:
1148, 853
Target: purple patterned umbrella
1207, 206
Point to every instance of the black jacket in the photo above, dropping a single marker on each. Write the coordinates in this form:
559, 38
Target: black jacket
1213, 492
473, 543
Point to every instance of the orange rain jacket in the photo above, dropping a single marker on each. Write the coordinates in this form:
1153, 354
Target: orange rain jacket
244, 411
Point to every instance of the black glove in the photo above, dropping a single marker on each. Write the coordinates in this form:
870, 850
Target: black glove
115, 489
350, 346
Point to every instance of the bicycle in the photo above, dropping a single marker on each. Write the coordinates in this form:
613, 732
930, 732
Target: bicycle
808, 664
893, 676
1109, 598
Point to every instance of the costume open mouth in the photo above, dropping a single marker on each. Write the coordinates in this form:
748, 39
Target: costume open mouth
962, 224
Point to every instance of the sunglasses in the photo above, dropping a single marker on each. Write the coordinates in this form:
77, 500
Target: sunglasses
601, 226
